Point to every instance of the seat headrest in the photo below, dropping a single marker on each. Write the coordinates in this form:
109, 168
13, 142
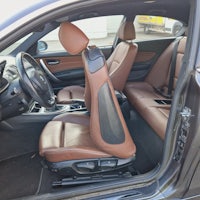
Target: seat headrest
72, 38
126, 31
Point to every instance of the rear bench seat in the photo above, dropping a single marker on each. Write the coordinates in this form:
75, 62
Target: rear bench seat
153, 106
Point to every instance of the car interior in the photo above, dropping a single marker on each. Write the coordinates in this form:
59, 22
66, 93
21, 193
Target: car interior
88, 114
119, 64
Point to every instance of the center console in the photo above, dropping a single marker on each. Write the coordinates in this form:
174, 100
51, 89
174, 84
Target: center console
76, 105
36, 109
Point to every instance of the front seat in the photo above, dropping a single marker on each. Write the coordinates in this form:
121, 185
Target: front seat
119, 65
81, 144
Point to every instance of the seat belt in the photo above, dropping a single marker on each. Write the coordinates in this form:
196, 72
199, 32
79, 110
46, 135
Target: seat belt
173, 68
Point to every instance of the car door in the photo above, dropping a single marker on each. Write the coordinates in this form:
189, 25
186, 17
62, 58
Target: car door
65, 69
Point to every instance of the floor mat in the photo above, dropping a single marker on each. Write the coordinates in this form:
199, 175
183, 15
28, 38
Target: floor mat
20, 176
149, 145
47, 178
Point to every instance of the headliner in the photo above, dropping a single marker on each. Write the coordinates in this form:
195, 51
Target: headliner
176, 9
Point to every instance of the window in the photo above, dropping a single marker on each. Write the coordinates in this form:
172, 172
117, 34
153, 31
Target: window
100, 30
153, 27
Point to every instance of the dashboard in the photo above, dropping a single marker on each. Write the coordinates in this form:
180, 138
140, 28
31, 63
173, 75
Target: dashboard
14, 99
24, 88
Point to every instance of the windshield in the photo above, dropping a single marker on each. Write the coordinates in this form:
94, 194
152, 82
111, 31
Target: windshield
13, 10
12, 47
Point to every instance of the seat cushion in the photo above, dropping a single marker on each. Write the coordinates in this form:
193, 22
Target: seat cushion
142, 96
75, 118
139, 90
67, 94
61, 141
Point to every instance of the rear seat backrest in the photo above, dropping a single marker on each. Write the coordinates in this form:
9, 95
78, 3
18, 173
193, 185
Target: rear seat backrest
159, 76
142, 95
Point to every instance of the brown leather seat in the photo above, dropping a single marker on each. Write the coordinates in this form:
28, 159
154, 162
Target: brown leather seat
119, 65
142, 95
77, 136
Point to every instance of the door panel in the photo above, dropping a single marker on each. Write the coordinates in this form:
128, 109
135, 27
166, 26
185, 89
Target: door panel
148, 53
59, 64
68, 69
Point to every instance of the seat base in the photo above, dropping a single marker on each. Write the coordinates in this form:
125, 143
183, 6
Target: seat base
87, 167
77, 172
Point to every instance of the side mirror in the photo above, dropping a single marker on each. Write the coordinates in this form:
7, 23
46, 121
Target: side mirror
41, 46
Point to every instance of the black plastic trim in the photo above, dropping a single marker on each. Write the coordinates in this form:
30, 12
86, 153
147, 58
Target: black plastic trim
111, 128
95, 59
91, 166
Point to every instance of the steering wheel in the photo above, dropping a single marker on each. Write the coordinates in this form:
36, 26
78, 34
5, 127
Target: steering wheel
34, 80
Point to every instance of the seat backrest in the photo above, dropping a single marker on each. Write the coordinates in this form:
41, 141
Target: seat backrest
108, 129
121, 60
160, 73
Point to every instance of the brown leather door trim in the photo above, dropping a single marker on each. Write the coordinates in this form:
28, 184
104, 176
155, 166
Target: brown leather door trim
63, 63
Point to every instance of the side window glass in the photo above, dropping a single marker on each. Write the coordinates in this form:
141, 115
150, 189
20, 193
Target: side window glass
100, 30
154, 27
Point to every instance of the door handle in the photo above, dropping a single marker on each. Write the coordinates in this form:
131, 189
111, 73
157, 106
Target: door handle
53, 62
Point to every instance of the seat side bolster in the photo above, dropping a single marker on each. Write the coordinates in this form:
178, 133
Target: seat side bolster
48, 139
120, 64
74, 153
